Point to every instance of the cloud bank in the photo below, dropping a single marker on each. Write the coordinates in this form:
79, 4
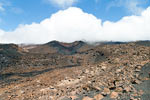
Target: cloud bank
63, 3
73, 24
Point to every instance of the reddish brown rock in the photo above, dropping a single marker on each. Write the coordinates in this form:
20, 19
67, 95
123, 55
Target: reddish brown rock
114, 95
119, 89
98, 97
106, 91
140, 92
73, 97
127, 89
87, 98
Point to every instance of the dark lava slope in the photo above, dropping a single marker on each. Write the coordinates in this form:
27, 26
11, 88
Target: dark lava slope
9, 54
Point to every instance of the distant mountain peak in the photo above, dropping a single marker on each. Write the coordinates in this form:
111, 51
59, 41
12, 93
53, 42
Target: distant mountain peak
64, 44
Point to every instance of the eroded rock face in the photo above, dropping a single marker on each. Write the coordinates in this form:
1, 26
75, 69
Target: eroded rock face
93, 72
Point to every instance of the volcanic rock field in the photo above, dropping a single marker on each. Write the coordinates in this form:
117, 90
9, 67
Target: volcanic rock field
75, 71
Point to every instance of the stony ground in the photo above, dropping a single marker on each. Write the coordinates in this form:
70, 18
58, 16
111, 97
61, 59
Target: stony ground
108, 72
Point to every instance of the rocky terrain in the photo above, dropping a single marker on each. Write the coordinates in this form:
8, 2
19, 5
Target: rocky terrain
75, 71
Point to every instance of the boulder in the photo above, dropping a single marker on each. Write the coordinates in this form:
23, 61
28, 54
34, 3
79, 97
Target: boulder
87, 98
98, 97
114, 95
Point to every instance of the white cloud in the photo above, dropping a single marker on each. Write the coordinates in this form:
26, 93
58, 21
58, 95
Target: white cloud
0, 20
132, 6
96, 1
1, 34
7, 6
74, 24
16, 10
63, 3
1, 7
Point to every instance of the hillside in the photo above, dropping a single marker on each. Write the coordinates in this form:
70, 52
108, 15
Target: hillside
75, 71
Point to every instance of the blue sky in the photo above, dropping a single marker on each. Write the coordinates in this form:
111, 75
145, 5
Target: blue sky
41, 21
17, 12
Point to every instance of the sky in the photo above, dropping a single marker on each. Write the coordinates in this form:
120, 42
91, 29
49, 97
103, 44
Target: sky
41, 21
